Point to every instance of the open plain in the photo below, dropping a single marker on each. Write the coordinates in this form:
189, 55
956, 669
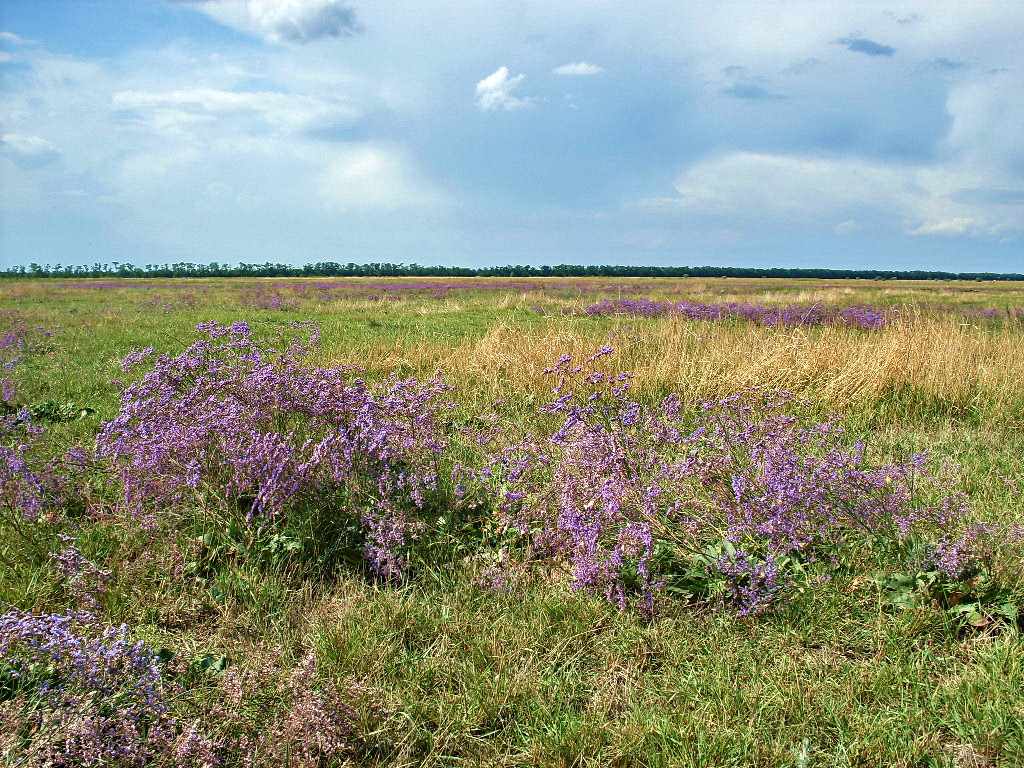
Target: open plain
434, 522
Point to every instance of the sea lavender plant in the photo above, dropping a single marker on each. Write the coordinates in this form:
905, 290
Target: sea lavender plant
81, 694
84, 582
734, 500
77, 692
232, 424
32, 485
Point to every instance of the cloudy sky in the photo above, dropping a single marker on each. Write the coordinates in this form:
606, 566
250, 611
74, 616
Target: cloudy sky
820, 133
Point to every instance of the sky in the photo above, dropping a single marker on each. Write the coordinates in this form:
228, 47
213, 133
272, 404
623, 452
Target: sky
850, 134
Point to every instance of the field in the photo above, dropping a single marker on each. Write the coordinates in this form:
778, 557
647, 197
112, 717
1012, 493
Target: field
316, 564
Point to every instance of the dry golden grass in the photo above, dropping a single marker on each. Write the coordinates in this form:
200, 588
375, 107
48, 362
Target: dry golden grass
954, 366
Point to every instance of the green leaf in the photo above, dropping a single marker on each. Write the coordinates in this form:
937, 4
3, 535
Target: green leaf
212, 665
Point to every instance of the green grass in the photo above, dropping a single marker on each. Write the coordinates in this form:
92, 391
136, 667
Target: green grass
547, 677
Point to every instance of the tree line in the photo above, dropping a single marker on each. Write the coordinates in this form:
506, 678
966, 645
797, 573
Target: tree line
387, 269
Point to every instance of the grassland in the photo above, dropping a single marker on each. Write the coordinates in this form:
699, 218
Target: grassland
457, 675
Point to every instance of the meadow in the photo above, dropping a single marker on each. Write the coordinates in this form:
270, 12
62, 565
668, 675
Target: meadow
512, 522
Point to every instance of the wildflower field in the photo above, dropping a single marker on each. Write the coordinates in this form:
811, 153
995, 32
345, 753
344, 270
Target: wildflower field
532, 522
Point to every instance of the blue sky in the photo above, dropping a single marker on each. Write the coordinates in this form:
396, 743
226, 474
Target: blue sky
834, 134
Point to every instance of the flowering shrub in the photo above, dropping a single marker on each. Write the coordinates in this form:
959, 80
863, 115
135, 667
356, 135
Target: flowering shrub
963, 572
31, 485
737, 503
76, 695
75, 692
240, 427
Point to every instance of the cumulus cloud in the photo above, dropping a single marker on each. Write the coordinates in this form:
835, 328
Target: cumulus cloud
160, 144
495, 92
28, 151
988, 121
863, 45
173, 110
578, 69
369, 177
802, 190
281, 21
304, 20
949, 227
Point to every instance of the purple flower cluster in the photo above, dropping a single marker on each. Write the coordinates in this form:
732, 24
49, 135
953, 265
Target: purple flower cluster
241, 426
86, 695
734, 502
288, 295
857, 316
960, 557
74, 692
31, 485
752, 584
262, 297
81, 694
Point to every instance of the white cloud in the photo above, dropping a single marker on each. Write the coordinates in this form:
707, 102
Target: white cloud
174, 142
180, 108
796, 190
781, 185
286, 21
10, 37
578, 69
370, 177
494, 92
948, 227
988, 120
28, 151
304, 20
